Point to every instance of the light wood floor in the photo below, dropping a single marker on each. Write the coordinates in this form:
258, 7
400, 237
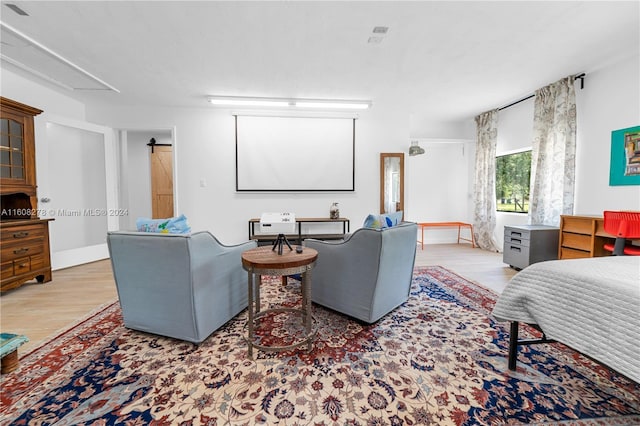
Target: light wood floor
39, 311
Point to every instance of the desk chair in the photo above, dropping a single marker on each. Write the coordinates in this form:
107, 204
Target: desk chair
625, 225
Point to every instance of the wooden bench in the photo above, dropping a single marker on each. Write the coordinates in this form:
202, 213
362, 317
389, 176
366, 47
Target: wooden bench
459, 225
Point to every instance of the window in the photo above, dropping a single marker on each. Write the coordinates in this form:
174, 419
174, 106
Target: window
513, 174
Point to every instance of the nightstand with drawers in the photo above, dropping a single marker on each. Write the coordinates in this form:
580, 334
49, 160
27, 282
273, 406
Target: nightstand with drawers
527, 244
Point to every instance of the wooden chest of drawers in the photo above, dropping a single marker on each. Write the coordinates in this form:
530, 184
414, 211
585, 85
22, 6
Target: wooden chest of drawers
24, 252
527, 244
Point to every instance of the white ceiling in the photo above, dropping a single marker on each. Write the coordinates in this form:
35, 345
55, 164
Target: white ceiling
445, 60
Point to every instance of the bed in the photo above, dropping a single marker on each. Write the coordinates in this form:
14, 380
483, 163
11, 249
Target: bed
591, 305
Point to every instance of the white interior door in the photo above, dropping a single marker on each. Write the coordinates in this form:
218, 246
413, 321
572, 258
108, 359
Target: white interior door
79, 190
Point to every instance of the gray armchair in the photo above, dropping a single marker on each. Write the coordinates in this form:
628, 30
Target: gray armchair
368, 274
181, 286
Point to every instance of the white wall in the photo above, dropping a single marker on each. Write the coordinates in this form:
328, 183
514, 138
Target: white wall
51, 102
439, 183
438, 189
515, 128
204, 145
424, 129
77, 159
39, 95
610, 101
205, 151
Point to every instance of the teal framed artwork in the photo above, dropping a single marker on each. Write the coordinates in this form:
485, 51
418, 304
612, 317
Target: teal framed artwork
625, 157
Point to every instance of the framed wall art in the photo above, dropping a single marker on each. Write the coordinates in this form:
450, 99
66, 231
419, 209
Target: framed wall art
625, 157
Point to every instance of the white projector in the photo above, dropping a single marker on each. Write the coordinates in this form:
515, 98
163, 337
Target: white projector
278, 223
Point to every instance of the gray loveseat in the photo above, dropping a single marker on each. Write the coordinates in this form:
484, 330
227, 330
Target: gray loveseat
368, 274
181, 286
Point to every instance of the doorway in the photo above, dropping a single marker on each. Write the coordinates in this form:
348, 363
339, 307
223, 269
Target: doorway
147, 174
161, 160
77, 189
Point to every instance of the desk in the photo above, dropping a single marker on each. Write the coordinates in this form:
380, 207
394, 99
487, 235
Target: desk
583, 236
459, 225
265, 261
299, 222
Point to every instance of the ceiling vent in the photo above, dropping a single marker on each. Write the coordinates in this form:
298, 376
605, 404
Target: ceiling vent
16, 9
378, 35
33, 57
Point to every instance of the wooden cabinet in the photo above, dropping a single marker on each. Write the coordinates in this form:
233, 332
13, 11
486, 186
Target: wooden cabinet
24, 238
17, 160
582, 236
24, 251
528, 244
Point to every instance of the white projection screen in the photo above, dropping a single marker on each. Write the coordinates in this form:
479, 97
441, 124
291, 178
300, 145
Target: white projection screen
294, 153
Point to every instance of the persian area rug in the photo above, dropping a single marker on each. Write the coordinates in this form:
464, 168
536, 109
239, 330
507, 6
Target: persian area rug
439, 359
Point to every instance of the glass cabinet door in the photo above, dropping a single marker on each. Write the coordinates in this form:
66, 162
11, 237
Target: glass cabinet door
11, 149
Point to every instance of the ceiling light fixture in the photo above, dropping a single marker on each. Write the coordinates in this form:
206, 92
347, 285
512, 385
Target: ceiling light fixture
252, 102
288, 103
333, 104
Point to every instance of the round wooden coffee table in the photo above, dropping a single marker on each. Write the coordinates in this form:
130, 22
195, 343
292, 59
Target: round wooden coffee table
266, 261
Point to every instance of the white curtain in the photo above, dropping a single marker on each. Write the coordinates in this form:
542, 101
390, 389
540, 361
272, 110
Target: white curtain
553, 153
484, 216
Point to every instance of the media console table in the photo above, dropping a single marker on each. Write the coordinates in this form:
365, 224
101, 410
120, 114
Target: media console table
300, 221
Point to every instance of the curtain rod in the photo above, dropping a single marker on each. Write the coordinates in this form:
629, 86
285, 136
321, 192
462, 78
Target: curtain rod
576, 77
516, 102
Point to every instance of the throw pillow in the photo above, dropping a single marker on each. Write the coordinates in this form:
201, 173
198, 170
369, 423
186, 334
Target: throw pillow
392, 219
172, 225
372, 221
386, 220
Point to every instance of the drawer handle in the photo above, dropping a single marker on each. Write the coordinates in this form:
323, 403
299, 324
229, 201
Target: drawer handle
23, 265
516, 240
516, 248
20, 234
519, 234
21, 250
